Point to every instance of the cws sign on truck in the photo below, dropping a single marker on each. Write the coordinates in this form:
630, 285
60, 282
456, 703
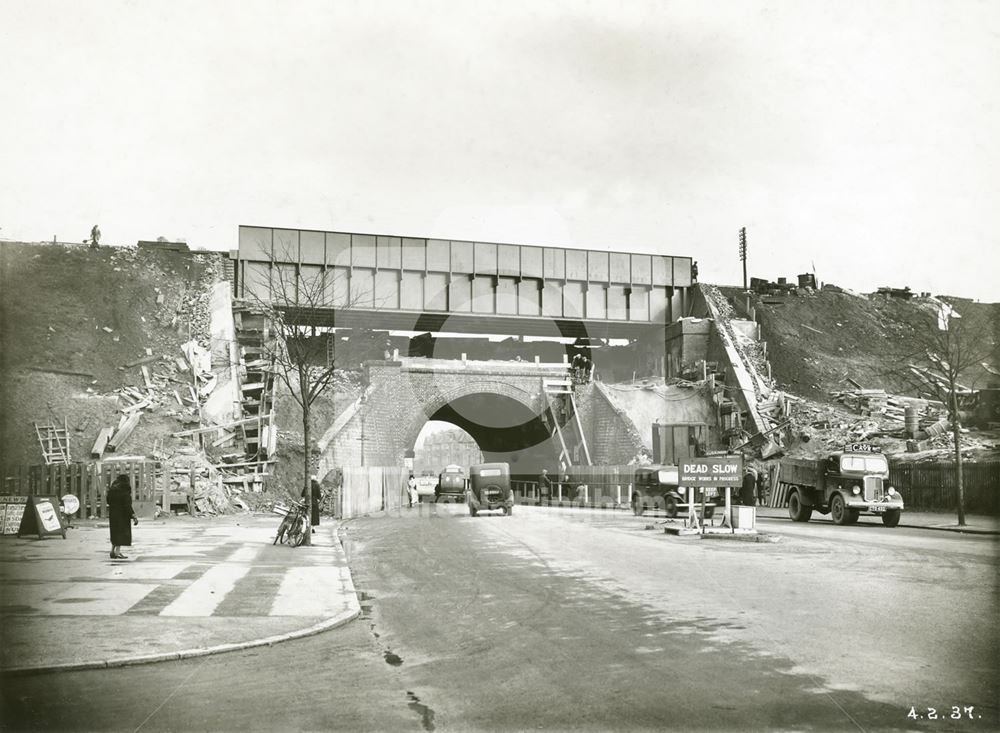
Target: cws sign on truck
712, 471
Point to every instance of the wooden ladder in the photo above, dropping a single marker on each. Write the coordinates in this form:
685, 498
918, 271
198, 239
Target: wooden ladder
556, 389
54, 441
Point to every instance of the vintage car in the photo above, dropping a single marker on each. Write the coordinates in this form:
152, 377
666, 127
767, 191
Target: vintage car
426, 485
489, 488
451, 484
656, 487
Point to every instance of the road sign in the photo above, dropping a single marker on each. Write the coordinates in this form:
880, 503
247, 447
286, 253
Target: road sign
712, 471
41, 517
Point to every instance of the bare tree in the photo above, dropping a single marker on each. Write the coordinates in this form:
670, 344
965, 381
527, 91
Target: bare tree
297, 301
946, 364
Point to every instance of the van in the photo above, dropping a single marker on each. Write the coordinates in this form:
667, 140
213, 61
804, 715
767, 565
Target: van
489, 488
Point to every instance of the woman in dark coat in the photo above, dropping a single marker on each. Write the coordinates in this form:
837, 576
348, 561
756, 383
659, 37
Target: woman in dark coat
120, 512
316, 496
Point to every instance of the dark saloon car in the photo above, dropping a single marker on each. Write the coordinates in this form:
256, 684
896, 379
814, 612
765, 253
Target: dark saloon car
451, 484
489, 488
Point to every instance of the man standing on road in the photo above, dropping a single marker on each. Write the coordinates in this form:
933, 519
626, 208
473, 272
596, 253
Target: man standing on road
544, 487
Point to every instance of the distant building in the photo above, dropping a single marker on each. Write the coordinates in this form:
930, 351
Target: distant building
444, 448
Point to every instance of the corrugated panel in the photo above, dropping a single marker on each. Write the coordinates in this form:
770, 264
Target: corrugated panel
531, 262
414, 253
620, 268
338, 249
363, 250
438, 255
597, 266
663, 271
460, 293
552, 299
554, 263
529, 297
485, 258
576, 264
436, 291
506, 302
461, 257
312, 248
388, 252
286, 245
387, 289
682, 271
255, 243
642, 272
411, 290
638, 304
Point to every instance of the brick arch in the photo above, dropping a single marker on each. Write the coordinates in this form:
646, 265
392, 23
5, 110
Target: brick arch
436, 396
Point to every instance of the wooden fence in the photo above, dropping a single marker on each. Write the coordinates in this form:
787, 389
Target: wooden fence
367, 489
89, 483
932, 486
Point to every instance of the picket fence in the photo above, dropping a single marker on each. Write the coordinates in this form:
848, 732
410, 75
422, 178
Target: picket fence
89, 483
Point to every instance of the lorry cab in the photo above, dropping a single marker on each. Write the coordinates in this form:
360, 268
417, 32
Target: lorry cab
656, 487
844, 484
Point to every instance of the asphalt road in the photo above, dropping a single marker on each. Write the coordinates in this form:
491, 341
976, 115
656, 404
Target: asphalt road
586, 620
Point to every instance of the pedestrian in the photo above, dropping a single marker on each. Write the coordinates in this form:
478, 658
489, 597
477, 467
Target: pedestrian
317, 495
749, 489
120, 512
544, 487
95, 237
411, 491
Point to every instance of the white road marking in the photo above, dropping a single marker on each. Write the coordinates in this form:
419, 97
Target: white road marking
203, 596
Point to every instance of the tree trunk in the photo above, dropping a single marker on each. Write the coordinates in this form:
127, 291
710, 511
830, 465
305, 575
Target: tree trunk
956, 431
307, 452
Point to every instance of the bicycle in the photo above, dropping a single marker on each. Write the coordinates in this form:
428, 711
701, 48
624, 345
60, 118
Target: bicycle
294, 525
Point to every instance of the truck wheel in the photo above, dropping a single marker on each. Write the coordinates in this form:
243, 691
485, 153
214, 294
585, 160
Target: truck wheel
797, 510
839, 512
891, 518
670, 506
854, 515
637, 506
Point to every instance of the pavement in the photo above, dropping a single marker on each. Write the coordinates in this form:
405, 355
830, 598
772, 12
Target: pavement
194, 586
942, 521
189, 587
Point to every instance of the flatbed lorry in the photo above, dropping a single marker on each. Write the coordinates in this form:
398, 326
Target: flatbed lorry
844, 484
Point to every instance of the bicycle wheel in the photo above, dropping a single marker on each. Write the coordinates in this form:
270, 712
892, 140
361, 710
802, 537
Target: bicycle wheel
297, 534
283, 528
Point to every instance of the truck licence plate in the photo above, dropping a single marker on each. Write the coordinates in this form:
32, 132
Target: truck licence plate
877, 509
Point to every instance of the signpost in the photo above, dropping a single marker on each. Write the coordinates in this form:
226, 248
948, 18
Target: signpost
723, 472
42, 517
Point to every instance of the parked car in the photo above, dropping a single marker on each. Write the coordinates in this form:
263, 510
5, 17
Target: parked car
451, 484
489, 488
426, 485
656, 487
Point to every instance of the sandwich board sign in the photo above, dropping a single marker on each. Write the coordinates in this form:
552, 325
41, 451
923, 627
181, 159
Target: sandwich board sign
42, 517
11, 511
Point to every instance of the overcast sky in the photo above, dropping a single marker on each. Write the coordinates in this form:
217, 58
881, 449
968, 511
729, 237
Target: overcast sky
859, 138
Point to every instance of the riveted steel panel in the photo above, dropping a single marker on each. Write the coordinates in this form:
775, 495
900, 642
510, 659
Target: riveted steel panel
414, 254
255, 243
682, 272
438, 255
597, 266
436, 291
387, 289
482, 294
363, 287
553, 263
638, 303
363, 250
597, 301
461, 257
529, 297
486, 258
312, 248
658, 302
621, 271
573, 299
338, 249
642, 273
508, 260
552, 293
663, 270
286, 245
310, 290
616, 303
257, 281
531, 261
411, 290
336, 292
460, 293
576, 264
507, 295
388, 253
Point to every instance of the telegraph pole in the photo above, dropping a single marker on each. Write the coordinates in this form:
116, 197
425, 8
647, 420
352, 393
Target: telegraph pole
743, 254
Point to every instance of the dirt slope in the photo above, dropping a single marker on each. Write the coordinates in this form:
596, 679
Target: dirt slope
71, 308
817, 340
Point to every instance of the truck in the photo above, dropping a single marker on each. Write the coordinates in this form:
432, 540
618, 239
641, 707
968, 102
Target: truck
844, 484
